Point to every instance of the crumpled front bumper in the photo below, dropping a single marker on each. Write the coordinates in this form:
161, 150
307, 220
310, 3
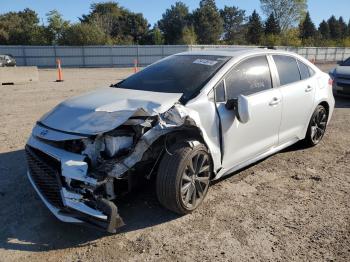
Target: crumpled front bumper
66, 205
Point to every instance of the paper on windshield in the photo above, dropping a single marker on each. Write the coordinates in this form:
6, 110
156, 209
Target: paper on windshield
205, 62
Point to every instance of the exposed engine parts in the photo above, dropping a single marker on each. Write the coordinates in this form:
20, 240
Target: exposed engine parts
97, 169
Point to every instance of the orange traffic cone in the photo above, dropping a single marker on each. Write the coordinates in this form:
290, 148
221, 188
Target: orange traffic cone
136, 69
59, 70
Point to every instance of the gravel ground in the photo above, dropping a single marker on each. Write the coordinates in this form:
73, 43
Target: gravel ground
292, 206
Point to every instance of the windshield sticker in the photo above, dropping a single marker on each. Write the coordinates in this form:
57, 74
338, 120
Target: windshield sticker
205, 62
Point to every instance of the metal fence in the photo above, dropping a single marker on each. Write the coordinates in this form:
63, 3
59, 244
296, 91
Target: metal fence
124, 56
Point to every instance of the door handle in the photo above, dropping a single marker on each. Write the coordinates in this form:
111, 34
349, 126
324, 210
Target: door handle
275, 101
308, 89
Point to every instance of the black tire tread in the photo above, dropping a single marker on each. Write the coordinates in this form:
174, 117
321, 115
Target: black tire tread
308, 141
169, 174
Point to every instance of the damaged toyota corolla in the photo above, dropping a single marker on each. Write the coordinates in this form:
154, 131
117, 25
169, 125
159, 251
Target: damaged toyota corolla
181, 122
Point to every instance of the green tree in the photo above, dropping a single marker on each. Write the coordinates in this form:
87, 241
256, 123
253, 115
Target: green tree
118, 23
173, 23
21, 28
158, 38
291, 38
233, 22
83, 34
107, 16
287, 12
208, 24
334, 28
323, 29
271, 40
137, 27
189, 36
307, 28
271, 26
56, 26
4, 36
154, 37
255, 29
343, 27
39, 36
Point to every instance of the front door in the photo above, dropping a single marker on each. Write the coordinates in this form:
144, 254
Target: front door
242, 142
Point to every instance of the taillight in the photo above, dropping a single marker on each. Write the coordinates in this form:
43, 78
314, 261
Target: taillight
330, 82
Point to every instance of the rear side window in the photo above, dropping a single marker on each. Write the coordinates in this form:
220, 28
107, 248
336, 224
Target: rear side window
311, 71
287, 68
304, 70
249, 77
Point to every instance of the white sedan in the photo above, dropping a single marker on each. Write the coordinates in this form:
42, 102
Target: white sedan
182, 122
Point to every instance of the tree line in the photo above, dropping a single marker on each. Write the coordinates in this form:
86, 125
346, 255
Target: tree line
287, 23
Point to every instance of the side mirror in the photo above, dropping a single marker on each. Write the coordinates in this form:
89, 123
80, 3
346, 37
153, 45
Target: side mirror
241, 107
340, 62
232, 104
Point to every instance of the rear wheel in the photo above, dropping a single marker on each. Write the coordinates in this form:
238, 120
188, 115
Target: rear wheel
183, 177
317, 126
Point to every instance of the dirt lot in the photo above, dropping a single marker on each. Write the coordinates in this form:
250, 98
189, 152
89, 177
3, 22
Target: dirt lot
292, 206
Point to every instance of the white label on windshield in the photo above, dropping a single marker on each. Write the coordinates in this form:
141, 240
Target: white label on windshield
205, 62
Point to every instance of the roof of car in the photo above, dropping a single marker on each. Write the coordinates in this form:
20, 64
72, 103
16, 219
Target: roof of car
234, 51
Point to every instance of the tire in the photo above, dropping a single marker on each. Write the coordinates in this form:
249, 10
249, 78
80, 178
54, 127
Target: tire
181, 188
317, 126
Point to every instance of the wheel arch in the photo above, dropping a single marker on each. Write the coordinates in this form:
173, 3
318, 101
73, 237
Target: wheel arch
325, 105
188, 134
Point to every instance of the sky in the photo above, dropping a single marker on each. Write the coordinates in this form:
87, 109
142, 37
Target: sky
153, 9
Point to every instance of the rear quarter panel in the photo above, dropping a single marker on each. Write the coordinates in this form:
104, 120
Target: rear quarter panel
324, 92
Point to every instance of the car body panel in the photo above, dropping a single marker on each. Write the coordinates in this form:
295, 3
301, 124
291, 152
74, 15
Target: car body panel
294, 117
105, 109
7, 60
256, 136
341, 80
209, 125
324, 94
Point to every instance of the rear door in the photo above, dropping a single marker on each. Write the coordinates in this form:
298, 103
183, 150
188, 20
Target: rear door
242, 142
297, 87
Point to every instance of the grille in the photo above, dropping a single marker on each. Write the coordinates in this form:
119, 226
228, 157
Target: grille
44, 171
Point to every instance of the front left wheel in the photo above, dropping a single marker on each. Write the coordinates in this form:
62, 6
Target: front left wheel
183, 177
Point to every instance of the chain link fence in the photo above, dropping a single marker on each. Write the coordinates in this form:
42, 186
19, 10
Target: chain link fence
124, 56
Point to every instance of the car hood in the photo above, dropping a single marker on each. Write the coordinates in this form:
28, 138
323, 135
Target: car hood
342, 70
104, 109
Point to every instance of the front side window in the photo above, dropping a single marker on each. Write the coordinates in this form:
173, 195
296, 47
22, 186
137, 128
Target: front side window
287, 68
220, 92
186, 74
249, 77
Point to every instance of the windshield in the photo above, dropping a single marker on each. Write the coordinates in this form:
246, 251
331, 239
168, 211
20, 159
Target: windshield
346, 62
186, 74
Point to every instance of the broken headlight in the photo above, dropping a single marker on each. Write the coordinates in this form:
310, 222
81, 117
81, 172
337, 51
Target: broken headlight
117, 144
